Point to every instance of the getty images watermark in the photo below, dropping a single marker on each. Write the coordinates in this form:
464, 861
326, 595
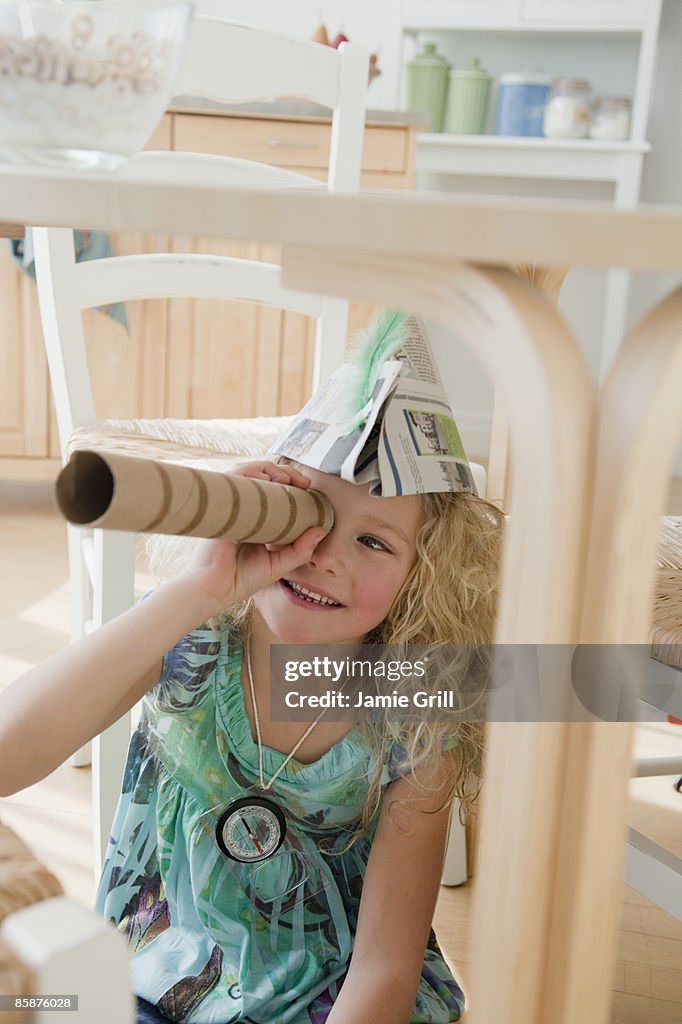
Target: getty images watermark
470, 683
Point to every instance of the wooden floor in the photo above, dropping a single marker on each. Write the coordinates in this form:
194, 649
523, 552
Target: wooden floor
54, 817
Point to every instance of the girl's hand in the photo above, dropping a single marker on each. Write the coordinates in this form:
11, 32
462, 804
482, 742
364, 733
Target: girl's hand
272, 473
223, 573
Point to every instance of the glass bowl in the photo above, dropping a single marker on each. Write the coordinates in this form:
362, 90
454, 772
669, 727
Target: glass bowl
84, 83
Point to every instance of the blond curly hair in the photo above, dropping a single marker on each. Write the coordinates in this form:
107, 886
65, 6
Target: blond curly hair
449, 597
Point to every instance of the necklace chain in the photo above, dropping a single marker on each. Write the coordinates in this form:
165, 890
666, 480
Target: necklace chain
263, 785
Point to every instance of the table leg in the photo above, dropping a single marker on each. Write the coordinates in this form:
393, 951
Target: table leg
640, 419
640, 422
536, 771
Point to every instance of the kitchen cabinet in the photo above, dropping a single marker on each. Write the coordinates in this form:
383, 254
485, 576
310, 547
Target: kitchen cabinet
295, 143
185, 357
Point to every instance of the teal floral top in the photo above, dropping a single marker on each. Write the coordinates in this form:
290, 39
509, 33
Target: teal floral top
212, 939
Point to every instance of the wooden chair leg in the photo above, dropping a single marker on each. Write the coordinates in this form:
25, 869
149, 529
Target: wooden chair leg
108, 761
80, 597
114, 564
455, 867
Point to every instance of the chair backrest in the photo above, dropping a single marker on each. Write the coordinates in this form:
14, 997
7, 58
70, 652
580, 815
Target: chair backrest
224, 62
271, 66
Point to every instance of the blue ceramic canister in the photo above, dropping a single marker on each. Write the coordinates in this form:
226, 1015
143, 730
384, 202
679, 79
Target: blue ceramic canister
521, 100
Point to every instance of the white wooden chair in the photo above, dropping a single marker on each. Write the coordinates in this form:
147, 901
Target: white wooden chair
225, 62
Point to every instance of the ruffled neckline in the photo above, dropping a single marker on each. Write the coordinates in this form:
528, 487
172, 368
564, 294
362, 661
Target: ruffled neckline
341, 758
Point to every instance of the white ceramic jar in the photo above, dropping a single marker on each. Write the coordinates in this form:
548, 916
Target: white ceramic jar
611, 118
567, 114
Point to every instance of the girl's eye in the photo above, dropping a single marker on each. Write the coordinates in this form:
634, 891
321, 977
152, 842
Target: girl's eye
374, 543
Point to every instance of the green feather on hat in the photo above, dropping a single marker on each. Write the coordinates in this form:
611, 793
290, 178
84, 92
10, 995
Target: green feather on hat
384, 337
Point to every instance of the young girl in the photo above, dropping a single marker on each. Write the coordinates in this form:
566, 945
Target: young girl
344, 935
265, 871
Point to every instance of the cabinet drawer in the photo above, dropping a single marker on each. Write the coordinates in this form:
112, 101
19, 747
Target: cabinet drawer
292, 144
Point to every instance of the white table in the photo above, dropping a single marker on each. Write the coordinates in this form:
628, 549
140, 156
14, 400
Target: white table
590, 474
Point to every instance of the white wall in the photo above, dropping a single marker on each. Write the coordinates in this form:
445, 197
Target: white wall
609, 66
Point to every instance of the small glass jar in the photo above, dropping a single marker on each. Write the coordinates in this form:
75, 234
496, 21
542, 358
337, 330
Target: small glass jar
611, 118
567, 114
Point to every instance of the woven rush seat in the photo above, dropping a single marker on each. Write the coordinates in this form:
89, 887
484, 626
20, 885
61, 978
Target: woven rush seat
666, 627
208, 444
23, 882
23, 879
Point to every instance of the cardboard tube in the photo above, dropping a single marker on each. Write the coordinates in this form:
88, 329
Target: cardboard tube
123, 492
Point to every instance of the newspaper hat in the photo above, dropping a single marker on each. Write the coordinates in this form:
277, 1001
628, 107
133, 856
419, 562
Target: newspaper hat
383, 418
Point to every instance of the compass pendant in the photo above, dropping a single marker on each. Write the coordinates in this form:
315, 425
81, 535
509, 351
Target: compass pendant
250, 829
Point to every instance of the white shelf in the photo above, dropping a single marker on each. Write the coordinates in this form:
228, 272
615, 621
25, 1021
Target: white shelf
442, 24
526, 157
534, 142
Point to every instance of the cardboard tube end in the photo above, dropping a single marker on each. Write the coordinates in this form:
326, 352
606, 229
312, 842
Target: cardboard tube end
84, 488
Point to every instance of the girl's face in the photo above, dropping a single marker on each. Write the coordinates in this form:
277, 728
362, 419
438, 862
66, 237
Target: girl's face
356, 571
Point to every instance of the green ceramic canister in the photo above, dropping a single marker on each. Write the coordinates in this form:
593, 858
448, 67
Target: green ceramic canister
426, 81
468, 99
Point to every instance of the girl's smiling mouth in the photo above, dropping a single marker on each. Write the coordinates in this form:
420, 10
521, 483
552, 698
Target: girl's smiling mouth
304, 595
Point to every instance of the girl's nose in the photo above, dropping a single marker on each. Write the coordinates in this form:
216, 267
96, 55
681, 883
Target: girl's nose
330, 556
